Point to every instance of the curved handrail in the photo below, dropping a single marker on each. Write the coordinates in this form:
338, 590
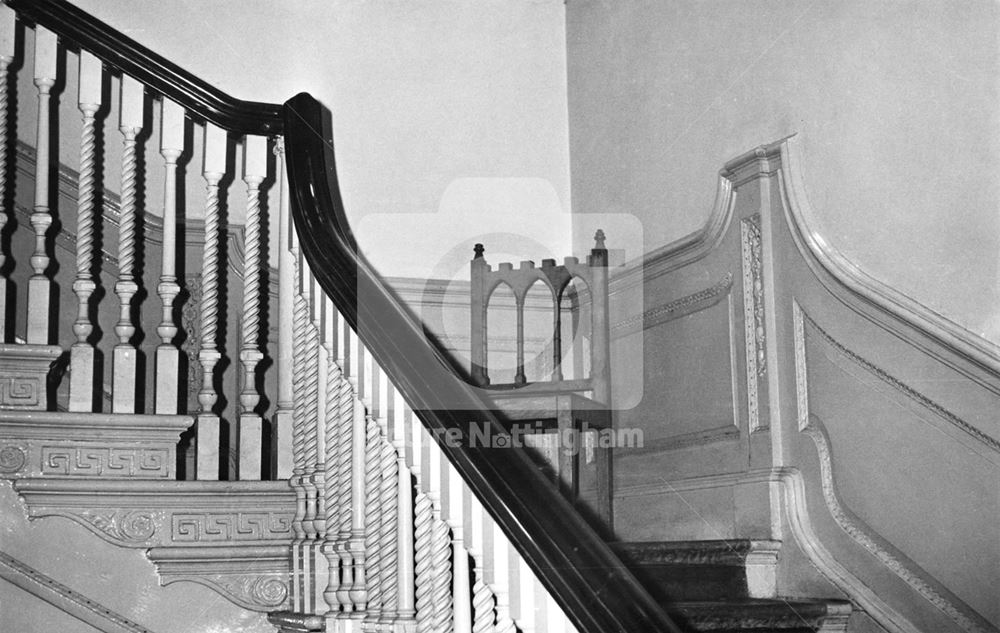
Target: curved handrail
115, 49
574, 564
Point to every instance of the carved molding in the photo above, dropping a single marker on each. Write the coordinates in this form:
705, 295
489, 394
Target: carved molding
908, 571
725, 552
675, 309
254, 577
145, 513
65, 599
753, 318
24, 372
771, 616
60, 444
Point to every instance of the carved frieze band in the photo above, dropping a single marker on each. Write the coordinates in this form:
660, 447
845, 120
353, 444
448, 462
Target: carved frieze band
21, 458
691, 303
811, 426
753, 319
230, 526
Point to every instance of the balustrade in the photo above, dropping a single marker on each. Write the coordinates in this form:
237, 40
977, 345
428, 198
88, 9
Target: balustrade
387, 533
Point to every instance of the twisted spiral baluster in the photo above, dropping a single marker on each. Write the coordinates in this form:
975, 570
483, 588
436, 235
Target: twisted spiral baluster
388, 503
373, 516
82, 356
442, 621
423, 534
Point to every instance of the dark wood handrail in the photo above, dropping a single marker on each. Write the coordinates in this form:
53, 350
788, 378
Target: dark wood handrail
570, 559
79, 29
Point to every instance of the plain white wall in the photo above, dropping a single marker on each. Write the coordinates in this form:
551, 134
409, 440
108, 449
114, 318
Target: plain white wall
423, 95
895, 104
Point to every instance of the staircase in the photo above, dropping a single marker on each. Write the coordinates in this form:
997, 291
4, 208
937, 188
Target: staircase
200, 371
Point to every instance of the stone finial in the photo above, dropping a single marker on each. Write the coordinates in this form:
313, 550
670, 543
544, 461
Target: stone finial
599, 239
479, 250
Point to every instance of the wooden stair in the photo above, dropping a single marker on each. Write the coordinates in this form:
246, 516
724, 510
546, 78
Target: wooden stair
726, 586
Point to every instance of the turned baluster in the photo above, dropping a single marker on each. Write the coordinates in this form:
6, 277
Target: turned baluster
336, 428
168, 380
461, 591
347, 410
405, 571
373, 483
125, 355
8, 49
358, 592
310, 395
213, 170
441, 551
286, 291
500, 575
324, 422
39, 285
82, 385
251, 424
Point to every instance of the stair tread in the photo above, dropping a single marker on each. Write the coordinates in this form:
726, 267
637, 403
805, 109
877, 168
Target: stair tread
756, 614
713, 552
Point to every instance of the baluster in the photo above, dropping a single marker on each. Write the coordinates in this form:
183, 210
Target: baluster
39, 285
317, 478
358, 593
251, 424
301, 315
423, 531
8, 49
373, 483
310, 445
387, 500
82, 354
483, 603
286, 290
461, 595
502, 577
347, 409
441, 554
213, 170
405, 570
524, 607
168, 357
125, 355
337, 428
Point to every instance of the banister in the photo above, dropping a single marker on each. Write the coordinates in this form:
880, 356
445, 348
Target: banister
118, 51
575, 565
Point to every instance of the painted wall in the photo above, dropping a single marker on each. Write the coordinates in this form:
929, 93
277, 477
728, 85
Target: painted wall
423, 96
896, 105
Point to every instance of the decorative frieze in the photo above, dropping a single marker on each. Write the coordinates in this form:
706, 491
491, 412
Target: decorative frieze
230, 526
753, 318
24, 370
60, 444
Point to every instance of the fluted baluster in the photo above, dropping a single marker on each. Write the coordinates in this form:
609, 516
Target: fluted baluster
405, 570
283, 415
8, 49
213, 170
82, 354
461, 591
251, 424
39, 285
125, 355
168, 355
